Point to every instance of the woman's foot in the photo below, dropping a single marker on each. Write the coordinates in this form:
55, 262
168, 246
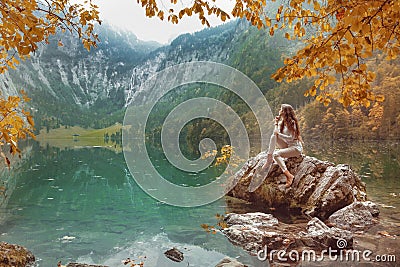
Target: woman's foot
289, 178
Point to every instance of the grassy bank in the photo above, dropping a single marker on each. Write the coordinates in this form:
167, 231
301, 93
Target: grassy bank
76, 137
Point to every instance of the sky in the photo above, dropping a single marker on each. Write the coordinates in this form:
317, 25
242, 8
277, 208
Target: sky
129, 15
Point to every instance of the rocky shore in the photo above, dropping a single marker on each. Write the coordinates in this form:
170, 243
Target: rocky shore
15, 255
332, 197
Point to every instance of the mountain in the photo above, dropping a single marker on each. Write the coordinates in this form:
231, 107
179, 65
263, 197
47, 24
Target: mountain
212, 44
71, 86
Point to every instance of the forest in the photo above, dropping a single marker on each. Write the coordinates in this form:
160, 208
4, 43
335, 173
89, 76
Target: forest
377, 122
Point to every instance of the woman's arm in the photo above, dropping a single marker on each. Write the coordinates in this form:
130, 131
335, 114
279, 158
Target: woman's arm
287, 137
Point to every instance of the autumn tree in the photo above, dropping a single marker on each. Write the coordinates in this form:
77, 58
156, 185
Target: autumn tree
24, 25
380, 121
339, 37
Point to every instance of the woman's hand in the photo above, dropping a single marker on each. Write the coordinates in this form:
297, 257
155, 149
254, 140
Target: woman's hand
277, 120
276, 124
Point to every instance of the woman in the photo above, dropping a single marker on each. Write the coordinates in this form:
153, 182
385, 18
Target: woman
287, 138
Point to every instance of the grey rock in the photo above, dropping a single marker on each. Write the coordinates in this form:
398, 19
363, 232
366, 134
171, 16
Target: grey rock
326, 237
372, 208
248, 230
356, 216
74, 264
254, 218
255, 234
229, 262
319, 188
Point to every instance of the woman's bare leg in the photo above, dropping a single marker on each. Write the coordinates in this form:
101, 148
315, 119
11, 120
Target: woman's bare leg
286, 153
260, 175
274, 142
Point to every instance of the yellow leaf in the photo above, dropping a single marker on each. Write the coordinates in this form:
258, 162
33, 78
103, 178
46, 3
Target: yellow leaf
268, 22
380, 98
366, 103
15, 61
161, 15
30, 120
317, 6
363, 67
86, 44
331, 79
326, 102
371, 76
313, 91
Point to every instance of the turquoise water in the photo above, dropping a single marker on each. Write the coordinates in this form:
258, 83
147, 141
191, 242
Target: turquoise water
83, 205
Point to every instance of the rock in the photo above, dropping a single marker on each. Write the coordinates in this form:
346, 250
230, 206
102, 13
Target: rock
74, 264
174, 254
319, 188
372, 207
327, 237
246, 230
356, 216
254, 218
15, 255
229, 262
257, 232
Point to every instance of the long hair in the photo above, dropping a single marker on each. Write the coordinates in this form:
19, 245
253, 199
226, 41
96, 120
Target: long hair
289, 119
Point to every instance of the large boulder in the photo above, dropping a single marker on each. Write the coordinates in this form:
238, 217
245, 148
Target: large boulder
358, 216
15, 255
319, 188
263, 235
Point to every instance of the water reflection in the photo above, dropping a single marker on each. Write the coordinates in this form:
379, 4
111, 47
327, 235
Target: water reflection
83, 204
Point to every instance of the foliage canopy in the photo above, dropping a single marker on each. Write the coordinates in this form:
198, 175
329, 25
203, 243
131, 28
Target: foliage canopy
339, 37
25, 24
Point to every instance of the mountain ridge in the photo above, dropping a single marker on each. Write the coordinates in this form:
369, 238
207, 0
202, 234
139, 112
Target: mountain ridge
71, 86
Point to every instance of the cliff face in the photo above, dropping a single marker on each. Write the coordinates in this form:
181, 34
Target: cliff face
68, 77
215, 44
66, 81
83, 75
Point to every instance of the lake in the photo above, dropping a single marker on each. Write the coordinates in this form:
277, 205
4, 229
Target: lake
83, 205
